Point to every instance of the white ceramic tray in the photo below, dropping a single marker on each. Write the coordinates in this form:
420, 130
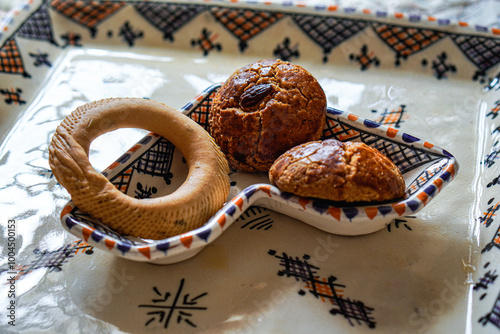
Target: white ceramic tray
431, 268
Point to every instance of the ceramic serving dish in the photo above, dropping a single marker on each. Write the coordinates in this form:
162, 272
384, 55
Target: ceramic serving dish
146, 170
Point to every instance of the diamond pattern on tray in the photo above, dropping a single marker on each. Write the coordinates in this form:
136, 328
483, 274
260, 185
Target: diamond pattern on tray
328, 32
245, 24
87, 13
324, 288
122, 180
37, 26
405, 41
168, 18
405, 157
156, 161
425, 177
200, 114
493, 317
482, 51
393, 117
340, 131
10, 59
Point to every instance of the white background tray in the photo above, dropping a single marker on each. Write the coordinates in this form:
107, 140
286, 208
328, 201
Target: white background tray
433, 272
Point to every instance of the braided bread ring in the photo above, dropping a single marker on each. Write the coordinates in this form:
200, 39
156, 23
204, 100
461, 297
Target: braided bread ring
200, 196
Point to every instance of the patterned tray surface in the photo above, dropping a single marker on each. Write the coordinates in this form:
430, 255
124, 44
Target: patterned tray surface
435, 78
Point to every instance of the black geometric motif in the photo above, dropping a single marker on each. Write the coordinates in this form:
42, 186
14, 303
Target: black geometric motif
253, 218
130, 34
484, 52
398, 223
365, 58
440, 66
168, 18
144, 191
157, 161
392, 118
492, 317
486, 281
38, 26
489, 215
405, 157
122, 180
40, 59
328, 32
12, 96
423, 178
324, 289
200, 113
179, 306
54, 260
286, 52
206, 42
494, 155
71, 39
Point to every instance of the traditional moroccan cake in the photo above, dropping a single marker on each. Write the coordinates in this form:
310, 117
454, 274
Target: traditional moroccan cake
263, 109
337, 171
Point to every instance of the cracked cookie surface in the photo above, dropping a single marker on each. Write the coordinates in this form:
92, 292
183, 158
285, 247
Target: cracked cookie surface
263, 109
337, 171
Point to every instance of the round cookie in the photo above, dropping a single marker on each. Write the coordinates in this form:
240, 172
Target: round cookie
337, 171
202, 194
262, 110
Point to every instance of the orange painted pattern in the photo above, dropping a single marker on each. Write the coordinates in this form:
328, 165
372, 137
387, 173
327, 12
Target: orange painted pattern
390, 118
187, 240
324, 290
491, 213
146, 251
10, 58
245, 24
391, 132
87, 13
334, 212
371, 212
407, 40
222, 220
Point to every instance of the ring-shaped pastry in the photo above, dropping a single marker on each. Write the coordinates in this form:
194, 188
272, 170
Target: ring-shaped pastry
202, 194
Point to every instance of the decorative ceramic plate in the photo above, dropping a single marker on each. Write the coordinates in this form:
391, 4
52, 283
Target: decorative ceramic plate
149, 169
429, 263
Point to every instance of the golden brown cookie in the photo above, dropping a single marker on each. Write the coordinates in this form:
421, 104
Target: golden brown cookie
263, 109
337, 171
190, 206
